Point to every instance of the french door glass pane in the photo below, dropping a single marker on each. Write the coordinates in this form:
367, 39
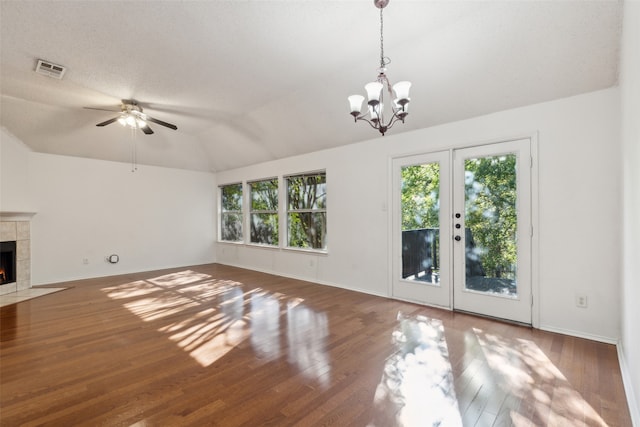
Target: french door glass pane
420, 209
490, 225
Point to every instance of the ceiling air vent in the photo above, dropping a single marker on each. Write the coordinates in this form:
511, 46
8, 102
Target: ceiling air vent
50, 70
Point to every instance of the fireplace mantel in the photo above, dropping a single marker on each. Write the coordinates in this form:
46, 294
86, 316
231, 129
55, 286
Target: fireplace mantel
16, 216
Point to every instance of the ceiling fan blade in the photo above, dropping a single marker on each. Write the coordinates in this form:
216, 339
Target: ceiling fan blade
147, 130
108, 122
160, 122
101, 109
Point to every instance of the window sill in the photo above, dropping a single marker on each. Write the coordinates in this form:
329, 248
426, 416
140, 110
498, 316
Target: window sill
228, 242
277, 248
262, 246
307, 250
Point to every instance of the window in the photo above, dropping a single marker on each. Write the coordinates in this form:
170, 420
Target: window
307, 210
264, 211
231, 212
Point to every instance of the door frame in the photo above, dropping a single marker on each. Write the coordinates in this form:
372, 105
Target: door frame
535, 212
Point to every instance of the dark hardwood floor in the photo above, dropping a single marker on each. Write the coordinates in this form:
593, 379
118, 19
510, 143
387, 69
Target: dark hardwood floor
216, 345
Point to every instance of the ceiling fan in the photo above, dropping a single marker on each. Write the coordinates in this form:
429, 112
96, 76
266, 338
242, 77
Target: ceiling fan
132, 115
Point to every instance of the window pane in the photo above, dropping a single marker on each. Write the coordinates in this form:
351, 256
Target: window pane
307, 192
264, 195
232, 197
307, 229
306, 211
264, 228
491, 219
231, 227
421, 223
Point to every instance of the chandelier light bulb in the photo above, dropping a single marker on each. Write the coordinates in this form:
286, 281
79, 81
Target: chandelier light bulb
122, 121
401, 110
374, 91
355, 104
375, 112
401, 90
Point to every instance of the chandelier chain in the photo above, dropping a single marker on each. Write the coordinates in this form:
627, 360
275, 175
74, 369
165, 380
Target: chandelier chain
381, 41
384, 61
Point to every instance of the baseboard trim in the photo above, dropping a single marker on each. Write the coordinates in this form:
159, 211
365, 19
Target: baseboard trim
579, 334
306, 279
628, 387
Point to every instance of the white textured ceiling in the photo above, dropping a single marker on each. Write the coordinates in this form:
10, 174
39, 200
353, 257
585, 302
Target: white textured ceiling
251, 81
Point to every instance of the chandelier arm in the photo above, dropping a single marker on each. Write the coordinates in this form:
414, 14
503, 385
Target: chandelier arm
372, 124
394, 119
362, 117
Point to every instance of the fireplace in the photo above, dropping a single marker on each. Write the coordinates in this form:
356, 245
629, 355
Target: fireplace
7, 262
15, 251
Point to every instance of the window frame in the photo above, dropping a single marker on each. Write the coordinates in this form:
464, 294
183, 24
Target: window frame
223, 213
276, 212
288, 212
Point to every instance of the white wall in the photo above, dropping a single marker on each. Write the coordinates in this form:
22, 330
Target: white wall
579, 200
152, 218
630, 99
14, 174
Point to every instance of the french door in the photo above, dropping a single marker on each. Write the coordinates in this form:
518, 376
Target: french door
462, 229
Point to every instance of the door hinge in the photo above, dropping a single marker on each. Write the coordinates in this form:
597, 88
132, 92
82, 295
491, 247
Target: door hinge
531, 165
532, 231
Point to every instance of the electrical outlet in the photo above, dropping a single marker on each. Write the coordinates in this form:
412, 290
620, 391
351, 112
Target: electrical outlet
581, 301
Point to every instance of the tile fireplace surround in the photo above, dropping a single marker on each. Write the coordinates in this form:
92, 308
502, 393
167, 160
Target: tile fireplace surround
17, 226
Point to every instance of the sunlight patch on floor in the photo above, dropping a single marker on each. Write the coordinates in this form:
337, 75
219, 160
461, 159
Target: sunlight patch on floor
417, 385
265, 326
223, 316
521, 366
307, 333
180, 278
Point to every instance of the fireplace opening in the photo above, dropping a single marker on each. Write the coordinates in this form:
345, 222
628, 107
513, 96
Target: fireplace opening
7, 262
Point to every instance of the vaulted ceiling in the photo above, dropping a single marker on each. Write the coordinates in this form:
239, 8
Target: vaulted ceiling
252, 81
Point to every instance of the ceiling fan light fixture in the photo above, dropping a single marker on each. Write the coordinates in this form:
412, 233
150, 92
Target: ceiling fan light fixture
131, 121
131, 115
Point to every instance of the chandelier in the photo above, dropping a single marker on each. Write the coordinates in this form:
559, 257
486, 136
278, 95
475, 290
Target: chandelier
375, 113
